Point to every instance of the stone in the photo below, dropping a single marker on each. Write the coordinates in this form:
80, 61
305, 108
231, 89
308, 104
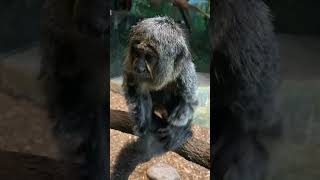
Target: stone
162, 171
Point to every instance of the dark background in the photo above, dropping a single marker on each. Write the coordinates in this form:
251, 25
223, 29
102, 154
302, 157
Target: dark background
296, 16
20, 20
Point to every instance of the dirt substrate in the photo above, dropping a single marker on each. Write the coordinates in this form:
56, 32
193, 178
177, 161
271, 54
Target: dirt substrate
186, 169
25, 127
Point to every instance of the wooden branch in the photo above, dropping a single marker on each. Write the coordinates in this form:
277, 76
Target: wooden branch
16, 166
195, 150
119, 120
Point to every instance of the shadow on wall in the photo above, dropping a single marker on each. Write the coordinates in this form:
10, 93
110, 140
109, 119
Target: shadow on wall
296, 16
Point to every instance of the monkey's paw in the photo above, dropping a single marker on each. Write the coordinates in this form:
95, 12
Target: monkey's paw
173, 137
181, 116
139, 130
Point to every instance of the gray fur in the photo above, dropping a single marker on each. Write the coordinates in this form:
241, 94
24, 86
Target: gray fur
246, 70
173, 83
73, 69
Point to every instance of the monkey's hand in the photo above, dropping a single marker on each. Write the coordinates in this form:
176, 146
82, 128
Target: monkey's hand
178, 129
173, 136
181, 115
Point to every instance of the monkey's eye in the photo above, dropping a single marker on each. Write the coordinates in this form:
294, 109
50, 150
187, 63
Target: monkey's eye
148, 58
134, 52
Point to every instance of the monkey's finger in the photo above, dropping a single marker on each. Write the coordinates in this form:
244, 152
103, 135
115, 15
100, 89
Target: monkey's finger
163, 133
166, 141
161, 130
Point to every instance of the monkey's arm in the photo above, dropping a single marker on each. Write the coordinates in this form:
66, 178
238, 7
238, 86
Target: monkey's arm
178, 130
139, 104
187, 83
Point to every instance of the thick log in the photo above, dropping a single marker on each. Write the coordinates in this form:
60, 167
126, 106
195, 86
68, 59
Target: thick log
119, 120
16, 166
195, 150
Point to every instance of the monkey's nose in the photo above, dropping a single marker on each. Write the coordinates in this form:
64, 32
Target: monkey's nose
140, 69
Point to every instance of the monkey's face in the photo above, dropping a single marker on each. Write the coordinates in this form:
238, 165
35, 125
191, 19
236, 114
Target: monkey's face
156, 49
144, 59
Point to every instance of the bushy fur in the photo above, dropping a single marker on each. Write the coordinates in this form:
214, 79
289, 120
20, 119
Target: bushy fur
173, 85
245, 68
74, 69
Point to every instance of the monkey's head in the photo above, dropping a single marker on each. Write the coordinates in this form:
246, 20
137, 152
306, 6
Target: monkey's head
157, 51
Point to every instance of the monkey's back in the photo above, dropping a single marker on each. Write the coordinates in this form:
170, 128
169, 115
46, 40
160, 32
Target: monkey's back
245, 64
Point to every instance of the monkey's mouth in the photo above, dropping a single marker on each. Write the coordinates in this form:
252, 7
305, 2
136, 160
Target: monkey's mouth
145, 76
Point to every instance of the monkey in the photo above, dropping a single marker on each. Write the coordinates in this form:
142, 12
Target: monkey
74, 50
246, 77
160, 82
